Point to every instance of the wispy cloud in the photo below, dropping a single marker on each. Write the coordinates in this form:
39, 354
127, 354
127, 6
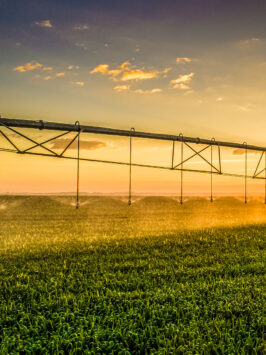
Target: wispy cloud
152, 91
45, 23
80, 83
166, 70
61, 143
60, 74
183, 60
245, 107
120, 88
81, 45
182, 82
28, 66
127, 72
47, 77
71, 67
248, 42
242, 151
101, 68
105, 69
189, 92
124, 65
81, 28
139, 74
32, 66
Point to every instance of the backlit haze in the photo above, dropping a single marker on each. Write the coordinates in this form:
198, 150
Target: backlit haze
192, 67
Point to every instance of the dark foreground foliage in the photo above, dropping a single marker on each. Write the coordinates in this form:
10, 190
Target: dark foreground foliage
104, 284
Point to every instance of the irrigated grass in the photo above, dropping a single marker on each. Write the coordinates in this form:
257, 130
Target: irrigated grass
157, 278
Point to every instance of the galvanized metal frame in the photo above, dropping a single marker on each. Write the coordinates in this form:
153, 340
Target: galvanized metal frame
9, 124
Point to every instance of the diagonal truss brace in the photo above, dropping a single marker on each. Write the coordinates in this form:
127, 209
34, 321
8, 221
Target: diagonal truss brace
44, 142
196, 153
256, 173
27, 138
37, 144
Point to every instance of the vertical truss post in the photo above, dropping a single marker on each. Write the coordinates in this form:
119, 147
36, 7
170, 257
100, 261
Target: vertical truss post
211, 198
265, 178
181, 172
77, 196
130, 169
220, 161
173, 154
246, 170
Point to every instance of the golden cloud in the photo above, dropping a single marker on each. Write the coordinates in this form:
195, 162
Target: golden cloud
166, 70
183, 60
182, 86
120, 88
59, 74
47, 68
138, 74
101, 68
153, 91
70, 67
46, 23
28, 66
114, 72
79, 83
125, 72
47, 77
61, 143
124, 65
182, 82
241, 151
104, 69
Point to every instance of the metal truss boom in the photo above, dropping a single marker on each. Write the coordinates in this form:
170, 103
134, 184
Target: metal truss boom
54, 126
186, 142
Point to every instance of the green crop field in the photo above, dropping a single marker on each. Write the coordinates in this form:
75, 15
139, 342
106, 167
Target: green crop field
155, 278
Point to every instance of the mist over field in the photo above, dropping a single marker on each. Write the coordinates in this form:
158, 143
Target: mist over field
25, 219
151, 214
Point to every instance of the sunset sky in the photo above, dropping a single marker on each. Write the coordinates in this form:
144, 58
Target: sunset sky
190, 66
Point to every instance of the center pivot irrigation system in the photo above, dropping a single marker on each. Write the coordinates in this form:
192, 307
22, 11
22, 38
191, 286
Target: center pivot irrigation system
10, 125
